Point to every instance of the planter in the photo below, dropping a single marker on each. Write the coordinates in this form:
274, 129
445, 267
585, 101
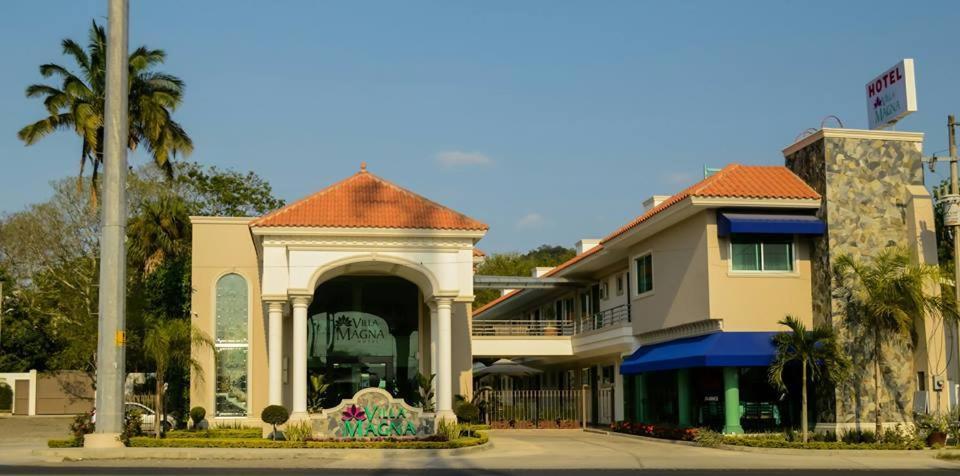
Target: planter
936, 438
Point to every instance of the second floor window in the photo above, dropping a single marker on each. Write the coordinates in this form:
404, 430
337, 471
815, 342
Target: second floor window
644, 274
761, 253
619, 285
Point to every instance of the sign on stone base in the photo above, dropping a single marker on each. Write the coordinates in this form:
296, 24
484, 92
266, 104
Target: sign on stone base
373, 413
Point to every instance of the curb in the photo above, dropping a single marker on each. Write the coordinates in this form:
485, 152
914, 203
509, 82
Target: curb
642, 438
88, 454
925, 453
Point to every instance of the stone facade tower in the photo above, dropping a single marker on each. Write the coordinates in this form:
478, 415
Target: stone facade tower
871, 183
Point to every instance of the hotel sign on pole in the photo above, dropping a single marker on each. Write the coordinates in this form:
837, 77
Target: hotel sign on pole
892, 95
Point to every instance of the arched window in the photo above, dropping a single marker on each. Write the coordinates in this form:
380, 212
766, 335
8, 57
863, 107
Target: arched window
231, 345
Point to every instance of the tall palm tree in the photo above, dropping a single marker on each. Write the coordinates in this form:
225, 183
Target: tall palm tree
818, 354
889, 296
169, 344
78, 103
159, 231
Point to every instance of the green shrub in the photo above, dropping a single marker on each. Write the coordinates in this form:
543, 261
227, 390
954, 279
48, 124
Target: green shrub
448, 430
299, 431
82, 425
6, 397
275, 415
64, 443
708, 438
132, 426
197, 414
759, 442
217, 433
467, 412
859, 436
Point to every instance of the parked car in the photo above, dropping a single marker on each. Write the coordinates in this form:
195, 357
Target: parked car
147, 415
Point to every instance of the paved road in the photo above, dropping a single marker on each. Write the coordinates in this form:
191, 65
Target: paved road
153, 470
532, 452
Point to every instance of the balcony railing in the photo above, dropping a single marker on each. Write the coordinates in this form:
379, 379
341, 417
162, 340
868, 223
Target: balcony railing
602, 319
524, 328
549, 328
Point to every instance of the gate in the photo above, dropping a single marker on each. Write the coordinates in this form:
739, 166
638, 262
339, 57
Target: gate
605, 405
532, 408
21, 397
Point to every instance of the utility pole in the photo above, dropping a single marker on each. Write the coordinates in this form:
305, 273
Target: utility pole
955, 191
111, 337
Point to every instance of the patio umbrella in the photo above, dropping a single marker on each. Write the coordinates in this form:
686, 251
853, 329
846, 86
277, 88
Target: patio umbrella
506, 367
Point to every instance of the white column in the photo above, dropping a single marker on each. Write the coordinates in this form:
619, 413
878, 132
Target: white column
275, 352
433, 338
444, 360
300, 304
618, 402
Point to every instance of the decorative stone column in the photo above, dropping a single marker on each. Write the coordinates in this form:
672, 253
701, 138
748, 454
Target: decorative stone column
275, 351
300, 304
444, 360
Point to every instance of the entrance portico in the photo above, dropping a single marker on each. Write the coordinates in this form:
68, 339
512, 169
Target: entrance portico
361, 229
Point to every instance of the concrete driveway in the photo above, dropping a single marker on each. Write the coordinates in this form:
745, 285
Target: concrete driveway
20, 435
519, 449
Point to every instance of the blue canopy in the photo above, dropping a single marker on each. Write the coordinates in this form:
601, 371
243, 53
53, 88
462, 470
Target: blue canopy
757, 223
720, 349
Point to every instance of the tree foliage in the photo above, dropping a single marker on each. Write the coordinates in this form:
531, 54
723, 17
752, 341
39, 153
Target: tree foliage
886, 297
817, 352
78, 103
517, 264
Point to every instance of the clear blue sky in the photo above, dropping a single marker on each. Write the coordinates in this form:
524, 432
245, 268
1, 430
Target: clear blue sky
551, 121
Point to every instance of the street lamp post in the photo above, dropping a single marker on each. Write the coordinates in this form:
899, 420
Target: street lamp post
111, 337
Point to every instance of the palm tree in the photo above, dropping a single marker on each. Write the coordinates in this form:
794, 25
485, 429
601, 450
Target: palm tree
78, 104
818, 354
889, 296
169, 344
159, 232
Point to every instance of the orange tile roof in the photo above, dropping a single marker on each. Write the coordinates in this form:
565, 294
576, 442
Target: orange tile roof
733, 181
478, 253
367, 201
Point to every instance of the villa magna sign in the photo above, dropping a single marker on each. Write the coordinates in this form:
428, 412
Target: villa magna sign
892, 95
374, 413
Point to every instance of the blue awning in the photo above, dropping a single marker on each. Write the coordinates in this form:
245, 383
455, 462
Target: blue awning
757, 223
720, 349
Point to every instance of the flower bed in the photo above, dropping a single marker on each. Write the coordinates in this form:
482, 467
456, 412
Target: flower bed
655, 431
146, 442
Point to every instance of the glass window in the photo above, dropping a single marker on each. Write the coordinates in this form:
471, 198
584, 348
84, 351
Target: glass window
232, 381
746, 255
644, 274
761, 253
232, 312
619, 285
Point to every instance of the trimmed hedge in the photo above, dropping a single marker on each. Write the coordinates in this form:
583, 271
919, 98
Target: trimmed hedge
64, 443
816, 445
147, 442
221, 433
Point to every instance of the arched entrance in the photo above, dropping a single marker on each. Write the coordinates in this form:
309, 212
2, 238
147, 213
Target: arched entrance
363, 331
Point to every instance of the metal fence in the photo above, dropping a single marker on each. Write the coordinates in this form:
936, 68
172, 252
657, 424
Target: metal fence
602, 319
557, 406
523, 328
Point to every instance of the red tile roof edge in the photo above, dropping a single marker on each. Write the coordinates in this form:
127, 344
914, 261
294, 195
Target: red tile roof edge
695, 190
264, 220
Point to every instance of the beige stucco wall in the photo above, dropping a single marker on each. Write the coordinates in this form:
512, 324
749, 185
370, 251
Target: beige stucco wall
756, 301
222, 246
680, 277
